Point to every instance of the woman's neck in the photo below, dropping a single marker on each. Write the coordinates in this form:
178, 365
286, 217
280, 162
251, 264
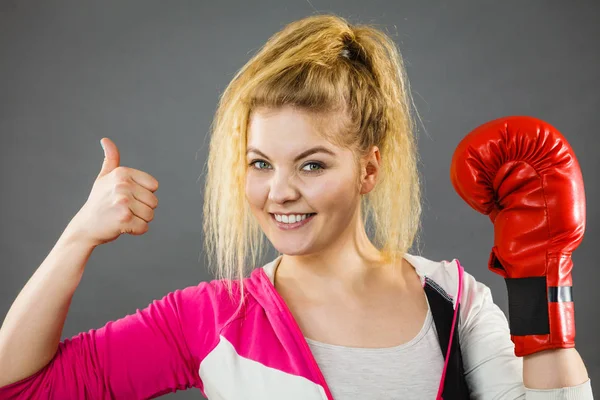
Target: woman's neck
348, 269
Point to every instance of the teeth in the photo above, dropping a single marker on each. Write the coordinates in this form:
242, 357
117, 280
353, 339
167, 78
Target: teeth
290, 219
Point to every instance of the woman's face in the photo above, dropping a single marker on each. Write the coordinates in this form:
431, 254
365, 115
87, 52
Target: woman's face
293, 170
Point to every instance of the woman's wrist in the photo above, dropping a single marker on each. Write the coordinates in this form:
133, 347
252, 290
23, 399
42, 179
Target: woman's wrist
551, 369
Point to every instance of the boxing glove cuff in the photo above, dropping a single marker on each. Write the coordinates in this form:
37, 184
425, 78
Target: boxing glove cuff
540, 308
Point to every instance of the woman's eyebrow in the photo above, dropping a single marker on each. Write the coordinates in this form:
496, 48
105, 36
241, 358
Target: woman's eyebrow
305, 153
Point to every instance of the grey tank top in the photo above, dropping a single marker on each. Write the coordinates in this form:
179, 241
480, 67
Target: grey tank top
409, 371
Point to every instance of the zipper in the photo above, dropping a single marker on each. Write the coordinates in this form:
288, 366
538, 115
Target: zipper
297, 333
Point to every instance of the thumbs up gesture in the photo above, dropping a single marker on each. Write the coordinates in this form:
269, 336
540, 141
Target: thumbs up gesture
122, 200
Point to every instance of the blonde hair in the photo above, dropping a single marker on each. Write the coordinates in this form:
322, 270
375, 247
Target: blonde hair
320, 64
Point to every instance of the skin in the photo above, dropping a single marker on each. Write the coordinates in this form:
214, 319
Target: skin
331, 275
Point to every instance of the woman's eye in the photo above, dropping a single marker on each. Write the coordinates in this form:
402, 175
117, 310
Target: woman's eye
258, 162
319, 166
312, 166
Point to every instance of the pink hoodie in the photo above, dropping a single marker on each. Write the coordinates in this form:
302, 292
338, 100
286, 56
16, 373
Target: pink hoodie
200, 337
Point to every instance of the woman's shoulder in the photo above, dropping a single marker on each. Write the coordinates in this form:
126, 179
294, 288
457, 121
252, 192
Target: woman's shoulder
450, 277
228, 296
210, 302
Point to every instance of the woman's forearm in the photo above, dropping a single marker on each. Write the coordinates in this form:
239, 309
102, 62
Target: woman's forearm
553, 369
31, 331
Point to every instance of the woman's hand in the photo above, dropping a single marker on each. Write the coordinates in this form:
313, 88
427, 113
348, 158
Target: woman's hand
122, 200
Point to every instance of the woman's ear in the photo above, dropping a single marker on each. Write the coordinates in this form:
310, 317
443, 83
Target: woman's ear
369, 170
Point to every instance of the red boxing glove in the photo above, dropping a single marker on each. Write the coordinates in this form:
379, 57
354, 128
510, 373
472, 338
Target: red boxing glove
523, 174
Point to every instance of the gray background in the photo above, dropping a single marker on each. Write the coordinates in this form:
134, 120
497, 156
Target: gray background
148, 74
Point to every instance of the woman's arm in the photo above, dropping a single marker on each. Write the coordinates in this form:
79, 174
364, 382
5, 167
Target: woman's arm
143, 355
556, 368
32, 328
154, 351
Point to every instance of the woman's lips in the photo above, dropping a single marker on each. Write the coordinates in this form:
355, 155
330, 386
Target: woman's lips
295, 225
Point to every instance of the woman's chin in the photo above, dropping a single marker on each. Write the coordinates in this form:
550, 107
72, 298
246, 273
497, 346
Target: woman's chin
292, 249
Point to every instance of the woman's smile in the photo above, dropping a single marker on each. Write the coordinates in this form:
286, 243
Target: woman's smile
283, 221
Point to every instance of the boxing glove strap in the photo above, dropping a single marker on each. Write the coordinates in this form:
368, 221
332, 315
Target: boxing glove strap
528, 304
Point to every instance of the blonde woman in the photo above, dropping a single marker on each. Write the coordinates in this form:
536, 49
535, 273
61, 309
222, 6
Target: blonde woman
312, 139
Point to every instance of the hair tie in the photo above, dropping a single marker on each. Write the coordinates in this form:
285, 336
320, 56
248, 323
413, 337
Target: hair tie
345, 53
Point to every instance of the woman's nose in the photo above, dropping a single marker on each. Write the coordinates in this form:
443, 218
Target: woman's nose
282, 189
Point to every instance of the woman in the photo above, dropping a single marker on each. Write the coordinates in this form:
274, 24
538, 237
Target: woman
312, 137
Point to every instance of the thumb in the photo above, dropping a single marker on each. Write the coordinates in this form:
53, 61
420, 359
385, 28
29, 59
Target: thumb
111, 156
